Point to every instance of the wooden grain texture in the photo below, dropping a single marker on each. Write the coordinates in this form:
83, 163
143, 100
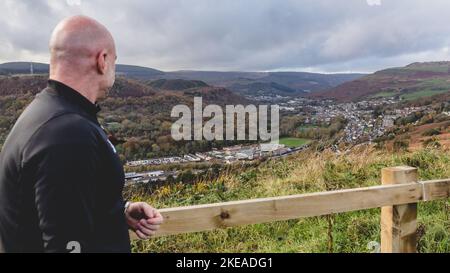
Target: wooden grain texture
230, 214
399, 222
436, 189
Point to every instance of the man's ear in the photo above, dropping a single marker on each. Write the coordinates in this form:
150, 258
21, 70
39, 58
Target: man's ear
101, 62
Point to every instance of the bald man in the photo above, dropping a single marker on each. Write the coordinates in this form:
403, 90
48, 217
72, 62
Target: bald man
61, 180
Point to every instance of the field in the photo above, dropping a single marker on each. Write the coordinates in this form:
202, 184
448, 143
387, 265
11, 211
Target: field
412, 95
384, 94
422, 94
307, 126
305, 172
293, 142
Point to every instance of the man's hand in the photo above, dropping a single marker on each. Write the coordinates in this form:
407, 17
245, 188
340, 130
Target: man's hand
143, 219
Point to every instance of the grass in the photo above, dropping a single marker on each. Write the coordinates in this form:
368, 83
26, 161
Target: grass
302, 173
385, 94
422, 94
293, 142
307, 126
429, 88
442, 68
425, 88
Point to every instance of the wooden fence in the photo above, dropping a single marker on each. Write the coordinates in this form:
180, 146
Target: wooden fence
398, 195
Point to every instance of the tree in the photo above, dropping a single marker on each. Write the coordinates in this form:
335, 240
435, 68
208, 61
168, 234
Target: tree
401, 145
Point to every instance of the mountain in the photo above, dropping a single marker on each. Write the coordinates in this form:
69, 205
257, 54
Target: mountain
32, 84
23, 68
137, 72
265, 83
177, 84
19, 85
245, 83
416, 80
130, 71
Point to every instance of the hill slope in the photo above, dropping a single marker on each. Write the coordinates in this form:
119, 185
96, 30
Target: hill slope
303, 173
413, 81
177, 84
130, 71
266, 83
23, 84
136, 113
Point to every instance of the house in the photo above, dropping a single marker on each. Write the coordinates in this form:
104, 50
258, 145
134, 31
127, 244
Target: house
270, 147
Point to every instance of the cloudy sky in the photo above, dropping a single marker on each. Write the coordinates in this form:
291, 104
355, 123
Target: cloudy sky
252, 35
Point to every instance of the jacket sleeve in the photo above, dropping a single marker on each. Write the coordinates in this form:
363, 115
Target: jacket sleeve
65, 186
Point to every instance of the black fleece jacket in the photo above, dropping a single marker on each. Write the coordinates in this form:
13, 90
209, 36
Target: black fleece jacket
61, 180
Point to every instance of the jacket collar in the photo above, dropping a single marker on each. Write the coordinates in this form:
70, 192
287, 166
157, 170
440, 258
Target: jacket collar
74, 97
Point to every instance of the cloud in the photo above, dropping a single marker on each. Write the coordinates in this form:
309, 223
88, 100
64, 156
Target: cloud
319, 35
374, 2
73, 2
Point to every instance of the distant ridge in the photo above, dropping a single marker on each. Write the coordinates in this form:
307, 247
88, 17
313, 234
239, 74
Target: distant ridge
22, 84
126, 88
23, 68
245, 83
131, 71
266, 83
137, 72
416, 80
177, 84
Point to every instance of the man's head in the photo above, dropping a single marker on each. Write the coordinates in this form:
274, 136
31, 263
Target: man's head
83, 56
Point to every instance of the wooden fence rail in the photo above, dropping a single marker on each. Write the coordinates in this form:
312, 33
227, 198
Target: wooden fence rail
398, 196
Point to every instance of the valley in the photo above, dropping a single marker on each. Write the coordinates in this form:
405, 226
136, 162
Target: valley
334, 137
137, 113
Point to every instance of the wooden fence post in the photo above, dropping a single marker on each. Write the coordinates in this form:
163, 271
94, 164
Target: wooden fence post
399, 222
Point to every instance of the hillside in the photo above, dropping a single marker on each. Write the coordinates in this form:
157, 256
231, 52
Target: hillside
23, 84
23, 68
177, 84
136, 113
266, 83
306, 172
125, 87
428, 134
411, 82
130, 71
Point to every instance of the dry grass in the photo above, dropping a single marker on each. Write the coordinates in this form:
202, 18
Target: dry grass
306, 172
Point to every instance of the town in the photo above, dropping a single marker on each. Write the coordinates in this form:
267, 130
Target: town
363, 124
227, 155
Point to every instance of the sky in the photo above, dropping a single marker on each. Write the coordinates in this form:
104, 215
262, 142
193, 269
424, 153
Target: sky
243, 35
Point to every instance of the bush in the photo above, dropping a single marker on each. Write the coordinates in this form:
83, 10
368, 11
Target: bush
432, 132
432, 143
401, 145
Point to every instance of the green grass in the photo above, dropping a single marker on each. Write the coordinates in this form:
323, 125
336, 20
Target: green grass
412, 95
302, 173
429, 88
422, 94
293, 142
443, 68
426, 88
385, 94
307, 126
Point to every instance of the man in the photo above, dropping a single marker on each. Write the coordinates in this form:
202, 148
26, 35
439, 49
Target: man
61, 180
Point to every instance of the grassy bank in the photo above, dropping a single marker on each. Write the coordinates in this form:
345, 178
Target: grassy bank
305, 172
293, 142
